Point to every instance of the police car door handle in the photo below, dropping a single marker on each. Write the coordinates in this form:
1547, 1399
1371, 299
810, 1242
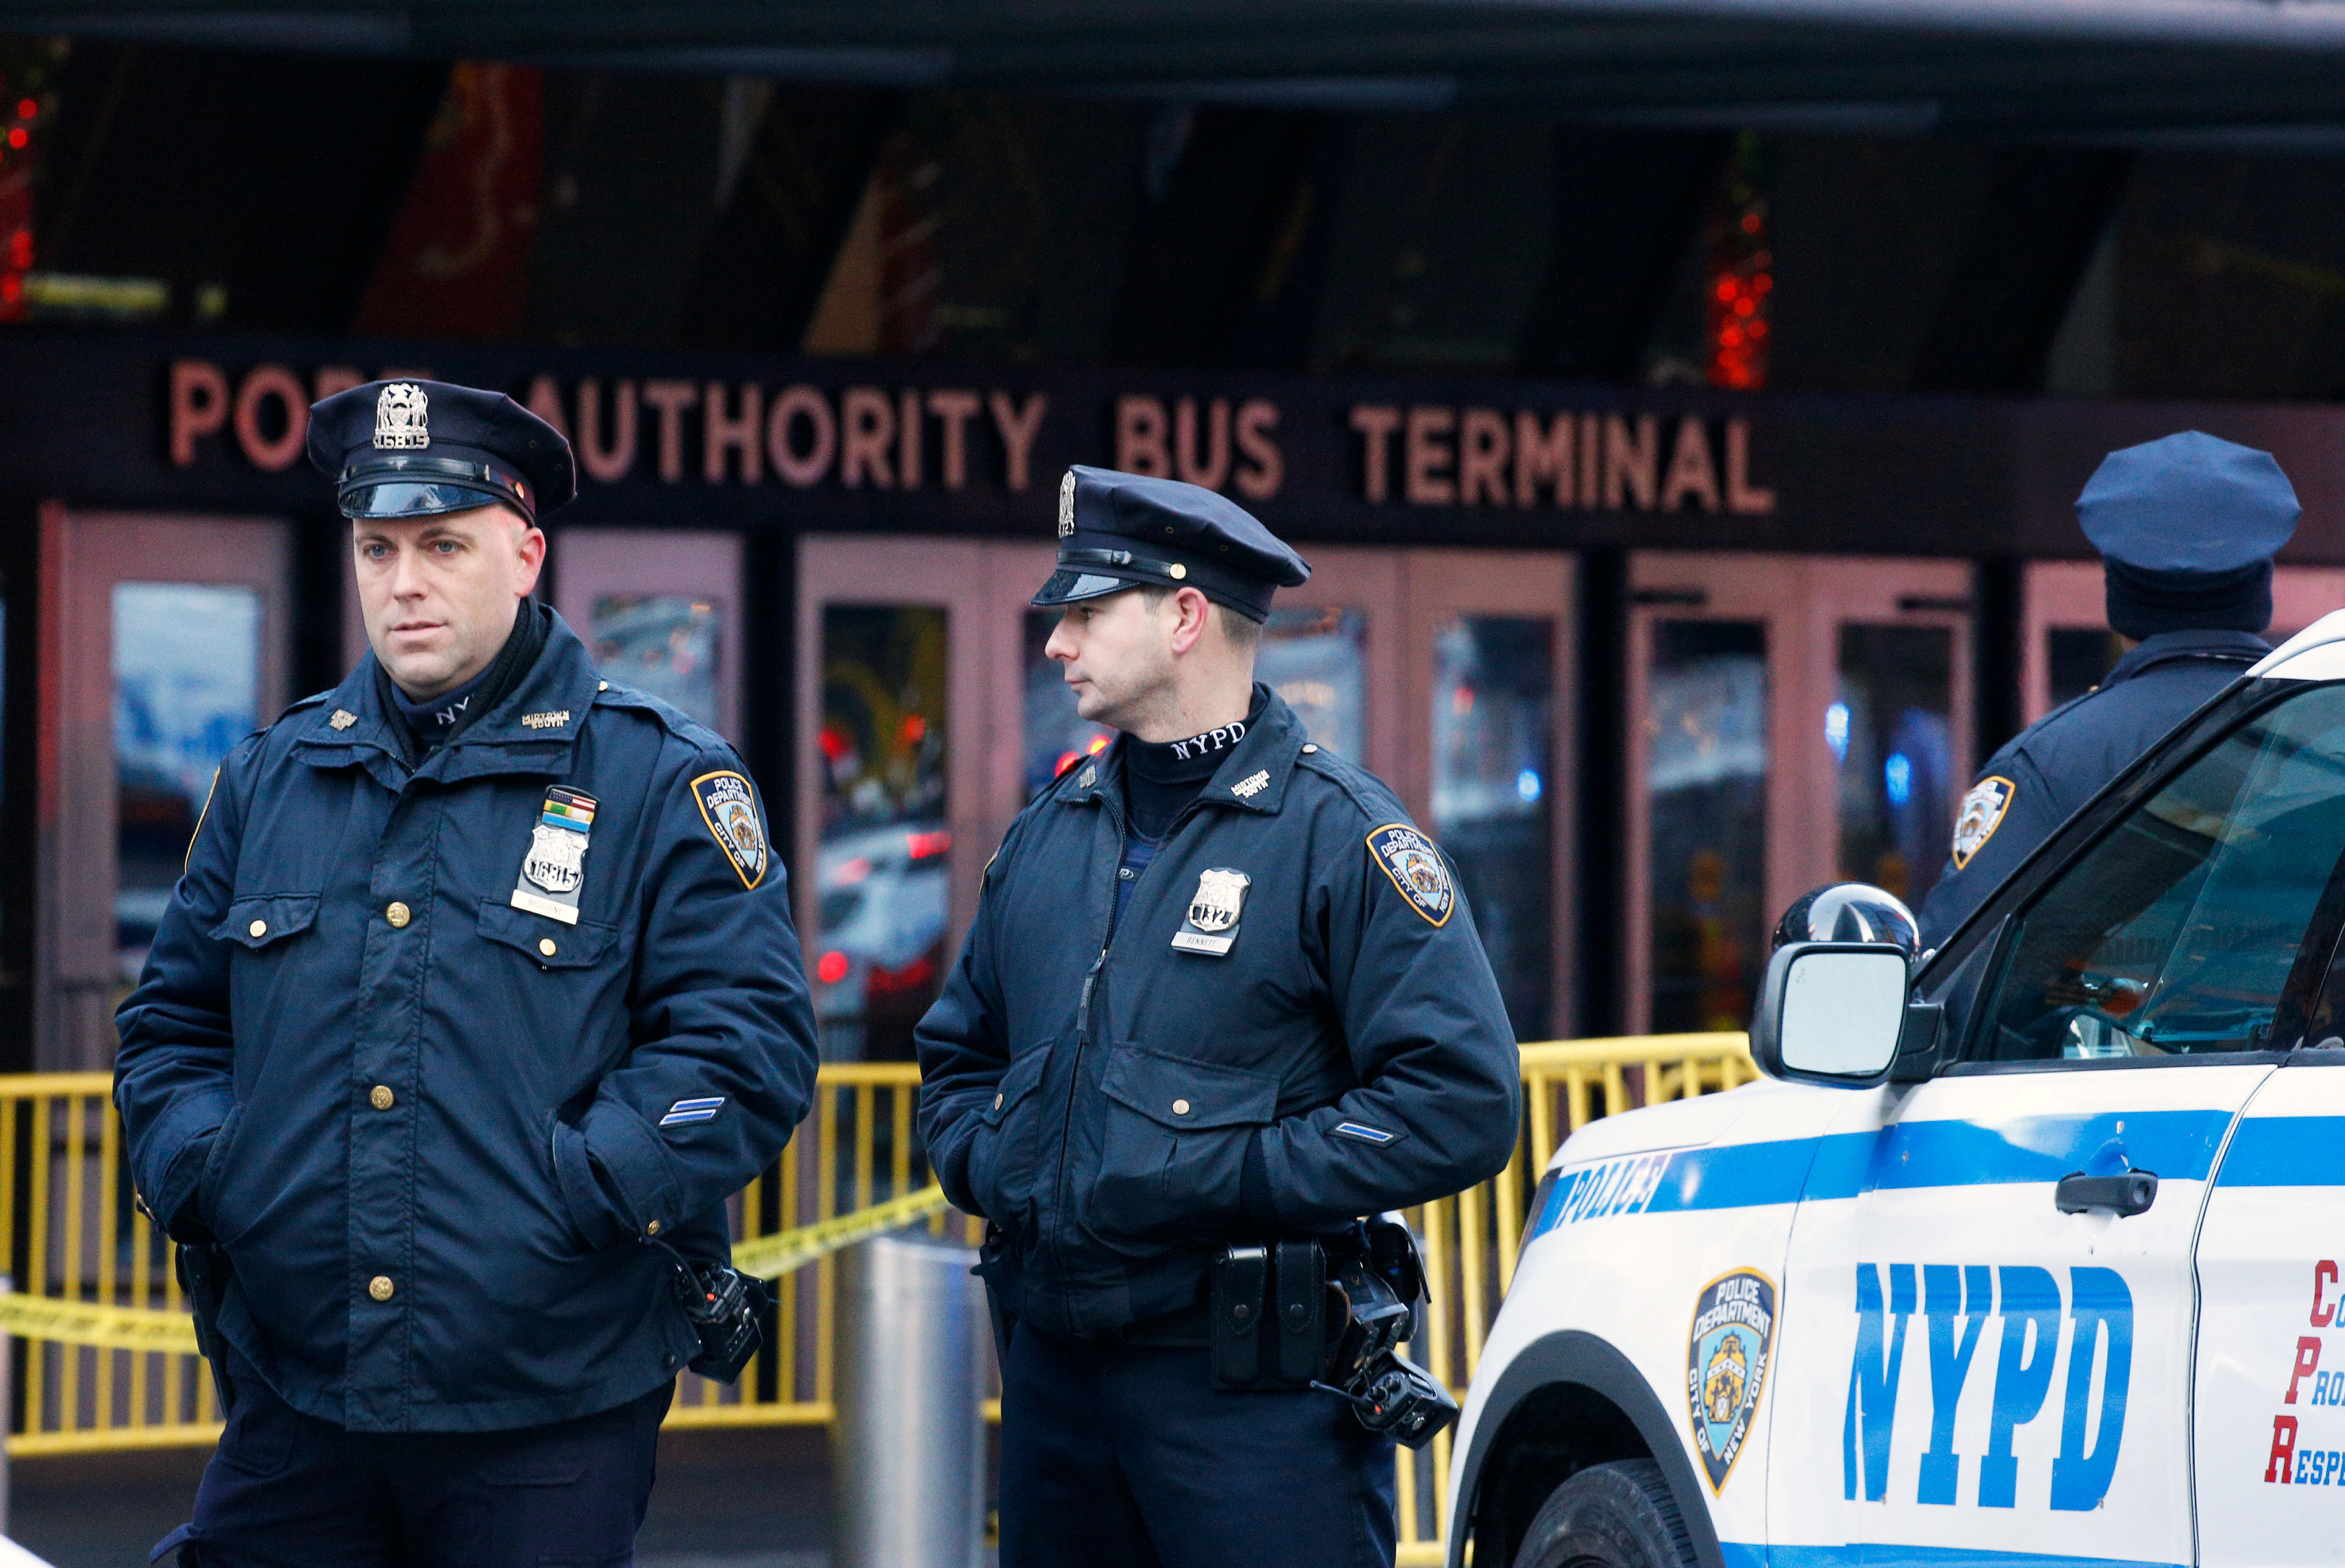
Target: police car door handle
2123, 1195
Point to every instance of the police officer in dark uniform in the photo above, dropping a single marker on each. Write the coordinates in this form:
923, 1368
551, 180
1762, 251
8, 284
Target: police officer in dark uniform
1222, 1000
478, 999
2187, 526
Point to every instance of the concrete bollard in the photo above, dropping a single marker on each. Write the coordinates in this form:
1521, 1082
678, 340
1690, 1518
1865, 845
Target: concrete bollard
908, 1443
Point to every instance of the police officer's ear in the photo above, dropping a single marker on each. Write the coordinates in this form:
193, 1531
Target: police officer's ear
1194, 614
529, 555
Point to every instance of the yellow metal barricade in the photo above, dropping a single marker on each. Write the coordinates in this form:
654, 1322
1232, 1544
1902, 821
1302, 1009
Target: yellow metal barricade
90, 1268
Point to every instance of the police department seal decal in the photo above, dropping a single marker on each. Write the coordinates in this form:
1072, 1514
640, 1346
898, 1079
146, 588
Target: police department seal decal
1726, 1365
402, 418
1416, 868
1981, 813
729, 806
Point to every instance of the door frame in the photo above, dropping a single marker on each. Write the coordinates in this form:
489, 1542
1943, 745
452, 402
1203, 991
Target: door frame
83, 555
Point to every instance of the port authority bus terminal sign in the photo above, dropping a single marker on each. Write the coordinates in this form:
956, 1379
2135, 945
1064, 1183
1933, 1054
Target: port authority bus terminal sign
215, 422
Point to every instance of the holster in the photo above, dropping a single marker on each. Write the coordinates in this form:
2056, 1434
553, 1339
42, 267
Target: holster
203, 1274
1270, 1315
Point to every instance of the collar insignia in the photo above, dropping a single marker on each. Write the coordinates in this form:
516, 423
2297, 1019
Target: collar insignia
1211, 926
342, 720
402, 418
1253, 785
1091, 777
553, 720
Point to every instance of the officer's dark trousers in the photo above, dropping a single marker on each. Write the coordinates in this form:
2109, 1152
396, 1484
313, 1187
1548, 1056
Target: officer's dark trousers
1116, 1455
288, 1490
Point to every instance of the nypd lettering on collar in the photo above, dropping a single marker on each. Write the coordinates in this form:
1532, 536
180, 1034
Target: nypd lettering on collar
1220, 739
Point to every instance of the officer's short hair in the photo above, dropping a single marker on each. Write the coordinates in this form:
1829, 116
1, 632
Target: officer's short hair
1243, 632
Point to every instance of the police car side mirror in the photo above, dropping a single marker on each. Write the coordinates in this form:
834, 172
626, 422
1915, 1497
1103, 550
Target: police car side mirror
1832, 1013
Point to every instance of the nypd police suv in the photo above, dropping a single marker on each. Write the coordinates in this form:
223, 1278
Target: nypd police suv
2026, 1251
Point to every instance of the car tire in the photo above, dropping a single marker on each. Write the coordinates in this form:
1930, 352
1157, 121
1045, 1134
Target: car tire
1617, 1515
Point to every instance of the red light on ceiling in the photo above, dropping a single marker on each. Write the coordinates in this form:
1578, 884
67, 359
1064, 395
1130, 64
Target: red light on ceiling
1742, 273
18, 138
27, 109
832, 967
915, 727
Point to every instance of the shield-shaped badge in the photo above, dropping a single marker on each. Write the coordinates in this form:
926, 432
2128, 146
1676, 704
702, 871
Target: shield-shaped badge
1211, 926
1982, 813
402, 418
1726, 1365
555, 867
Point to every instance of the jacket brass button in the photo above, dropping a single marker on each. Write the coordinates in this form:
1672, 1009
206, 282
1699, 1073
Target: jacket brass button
652, 1229
545, 946
380, 1287
1179, 1107
258, 928
1308, 751
399, 915
381, 1098
997, 1102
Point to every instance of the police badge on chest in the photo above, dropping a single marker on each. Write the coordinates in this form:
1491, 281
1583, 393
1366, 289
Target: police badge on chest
1211, 926
555, 867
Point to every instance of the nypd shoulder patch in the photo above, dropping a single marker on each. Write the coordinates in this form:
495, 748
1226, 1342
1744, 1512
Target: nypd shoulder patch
729, 806
1416, 868
1982, 813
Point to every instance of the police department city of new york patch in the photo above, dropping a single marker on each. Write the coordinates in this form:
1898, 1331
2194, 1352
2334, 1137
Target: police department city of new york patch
1726, 1365
1416, 868
729, 806
1212, 925
1981, 813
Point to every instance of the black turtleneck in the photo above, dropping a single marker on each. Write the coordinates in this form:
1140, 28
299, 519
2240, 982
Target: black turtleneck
435, 721
1161, 778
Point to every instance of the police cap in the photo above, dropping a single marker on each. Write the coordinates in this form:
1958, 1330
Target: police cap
2187, 526
417, 448
1119, 530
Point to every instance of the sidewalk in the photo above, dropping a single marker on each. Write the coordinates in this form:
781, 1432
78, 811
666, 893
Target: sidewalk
752, 1498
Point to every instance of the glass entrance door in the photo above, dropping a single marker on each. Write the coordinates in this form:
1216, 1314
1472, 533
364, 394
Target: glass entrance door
1795, 721
660, 612
2068, 645
163, 643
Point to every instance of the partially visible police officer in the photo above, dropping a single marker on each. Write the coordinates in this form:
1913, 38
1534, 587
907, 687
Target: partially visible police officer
478, 999
1221, 993
2187, 526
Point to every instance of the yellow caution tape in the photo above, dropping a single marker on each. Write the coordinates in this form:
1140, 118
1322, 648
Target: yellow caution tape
90, 1323
770, 1257
147, 1329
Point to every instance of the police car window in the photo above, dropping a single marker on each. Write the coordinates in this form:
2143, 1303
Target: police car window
2177, 933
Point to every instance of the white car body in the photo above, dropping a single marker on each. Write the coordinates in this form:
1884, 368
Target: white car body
1950, 1369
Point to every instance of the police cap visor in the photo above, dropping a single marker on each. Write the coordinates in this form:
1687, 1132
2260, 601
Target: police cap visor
1066, 587
406, 498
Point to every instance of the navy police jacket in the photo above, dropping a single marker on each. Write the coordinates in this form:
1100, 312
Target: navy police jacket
2055, 766
1296, 971
434, 1131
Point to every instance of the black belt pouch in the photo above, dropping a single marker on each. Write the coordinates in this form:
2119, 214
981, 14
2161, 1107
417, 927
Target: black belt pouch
1270, 1316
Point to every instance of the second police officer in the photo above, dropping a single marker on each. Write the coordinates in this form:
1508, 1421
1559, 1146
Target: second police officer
1221, 1001
2187, 526
477, 1001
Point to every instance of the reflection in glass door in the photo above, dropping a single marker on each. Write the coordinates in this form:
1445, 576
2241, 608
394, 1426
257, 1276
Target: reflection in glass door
163, 644
1706, 782
1890, 727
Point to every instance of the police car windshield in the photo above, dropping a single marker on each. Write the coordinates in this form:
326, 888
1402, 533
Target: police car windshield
2179, 932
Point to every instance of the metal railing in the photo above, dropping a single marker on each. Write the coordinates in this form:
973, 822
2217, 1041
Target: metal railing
69, 1230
